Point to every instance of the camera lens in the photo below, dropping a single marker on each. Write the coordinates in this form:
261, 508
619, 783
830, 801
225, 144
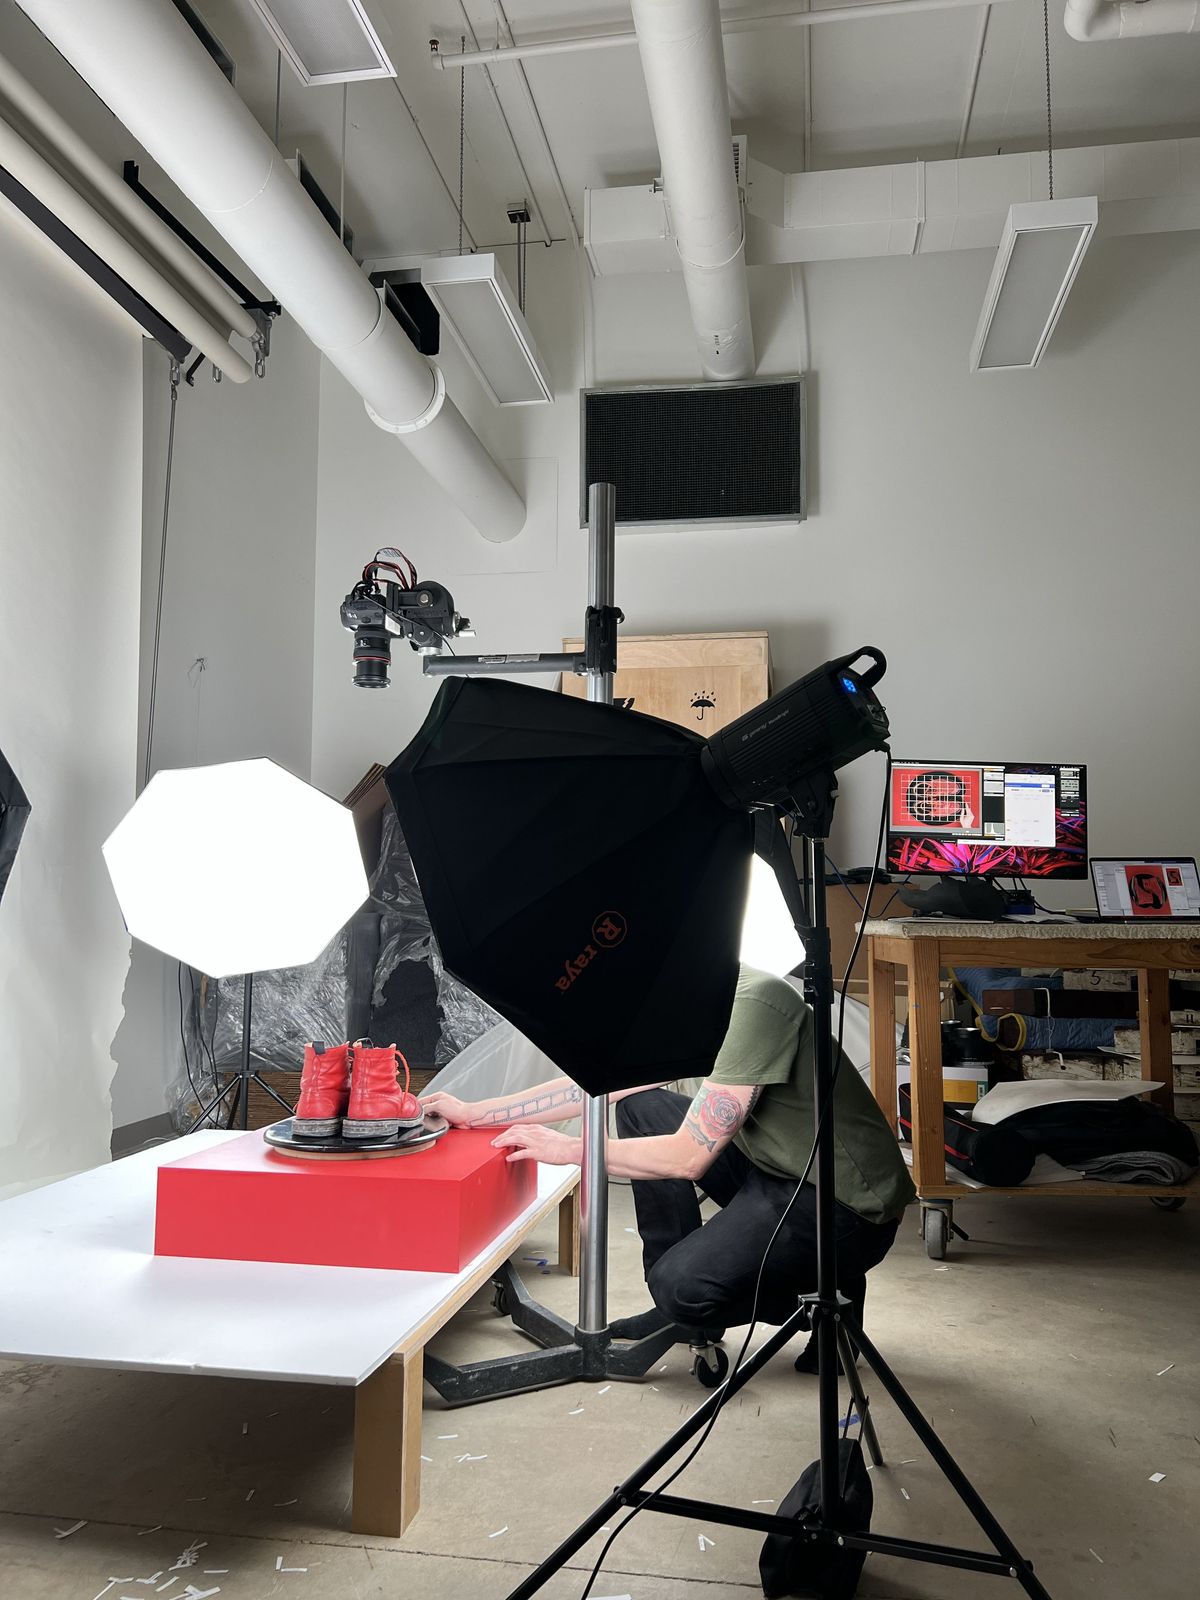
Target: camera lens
372, 656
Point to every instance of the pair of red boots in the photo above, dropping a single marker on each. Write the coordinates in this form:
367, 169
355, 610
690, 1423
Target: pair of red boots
354, 1090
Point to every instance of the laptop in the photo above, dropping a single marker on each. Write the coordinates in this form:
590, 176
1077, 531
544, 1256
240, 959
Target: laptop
1146, 888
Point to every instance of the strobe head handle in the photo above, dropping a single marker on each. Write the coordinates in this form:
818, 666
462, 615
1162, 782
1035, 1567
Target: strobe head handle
821, 722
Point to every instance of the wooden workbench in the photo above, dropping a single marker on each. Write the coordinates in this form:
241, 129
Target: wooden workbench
922, 947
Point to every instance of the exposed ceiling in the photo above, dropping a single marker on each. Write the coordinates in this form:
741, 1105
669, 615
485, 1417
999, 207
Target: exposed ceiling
882, 90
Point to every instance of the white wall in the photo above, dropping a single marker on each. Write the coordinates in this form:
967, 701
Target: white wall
70, 477
238, 594
1022, 546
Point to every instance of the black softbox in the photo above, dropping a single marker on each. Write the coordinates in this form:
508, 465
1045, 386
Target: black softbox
581, 875
14, 813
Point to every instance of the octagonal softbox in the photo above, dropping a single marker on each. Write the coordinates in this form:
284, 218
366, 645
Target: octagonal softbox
14, 813
580, 874
236, 868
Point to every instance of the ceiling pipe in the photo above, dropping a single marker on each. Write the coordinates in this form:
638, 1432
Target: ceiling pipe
1093, 20
684, 65
147, 66
732, 22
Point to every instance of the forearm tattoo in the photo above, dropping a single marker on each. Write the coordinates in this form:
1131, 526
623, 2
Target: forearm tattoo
565, 1100
715, 1115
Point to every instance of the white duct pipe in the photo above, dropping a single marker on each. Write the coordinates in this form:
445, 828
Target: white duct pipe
75, 159
56, 194
684, 66
1091, 20
145, 63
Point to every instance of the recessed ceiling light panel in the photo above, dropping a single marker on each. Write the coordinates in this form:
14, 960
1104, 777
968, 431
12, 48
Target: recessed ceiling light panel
327, 41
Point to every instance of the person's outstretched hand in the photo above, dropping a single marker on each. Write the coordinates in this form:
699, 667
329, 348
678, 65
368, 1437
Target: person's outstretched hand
529, 1141
458, 1113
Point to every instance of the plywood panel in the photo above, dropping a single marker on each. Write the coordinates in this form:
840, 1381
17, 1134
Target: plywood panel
698, 680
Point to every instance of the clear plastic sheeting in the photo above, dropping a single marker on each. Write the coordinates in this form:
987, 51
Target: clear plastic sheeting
407, 935
290, 1007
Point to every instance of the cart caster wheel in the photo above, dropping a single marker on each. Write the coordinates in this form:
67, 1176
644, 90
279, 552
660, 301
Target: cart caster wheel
1168, 1202
501, 1304
937, 1234
710, 1366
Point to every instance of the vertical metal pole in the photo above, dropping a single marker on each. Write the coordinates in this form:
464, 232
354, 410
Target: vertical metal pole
244, 1085
823, 1070
593, 1183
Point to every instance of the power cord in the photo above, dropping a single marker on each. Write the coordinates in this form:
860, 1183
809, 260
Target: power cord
741, 1355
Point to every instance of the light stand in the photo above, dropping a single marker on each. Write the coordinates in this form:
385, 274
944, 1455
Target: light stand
246, 1075
825, 1312
586, 1351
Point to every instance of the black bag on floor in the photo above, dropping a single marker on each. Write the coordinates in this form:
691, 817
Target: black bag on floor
821, 1571
996, 1155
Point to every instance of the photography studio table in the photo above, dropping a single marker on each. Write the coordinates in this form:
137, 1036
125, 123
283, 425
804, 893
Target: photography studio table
80, 1286
922, 947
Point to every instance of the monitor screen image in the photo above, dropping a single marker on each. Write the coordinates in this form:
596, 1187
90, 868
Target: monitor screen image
1001, 819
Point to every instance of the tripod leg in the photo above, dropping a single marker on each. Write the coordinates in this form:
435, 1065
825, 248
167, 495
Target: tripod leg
861, 1399
206, 1111
949, 1468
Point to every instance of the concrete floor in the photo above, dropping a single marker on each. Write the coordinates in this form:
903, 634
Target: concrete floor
1038, 1352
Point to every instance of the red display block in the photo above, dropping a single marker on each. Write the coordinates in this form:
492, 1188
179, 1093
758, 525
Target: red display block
431, 1211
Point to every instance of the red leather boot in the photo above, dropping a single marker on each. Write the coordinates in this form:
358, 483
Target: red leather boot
324, 1091
378, 1106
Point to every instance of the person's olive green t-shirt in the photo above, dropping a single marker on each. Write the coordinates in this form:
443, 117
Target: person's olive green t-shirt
770, 1042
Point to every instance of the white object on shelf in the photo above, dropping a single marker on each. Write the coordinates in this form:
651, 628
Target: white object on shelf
1007, 1099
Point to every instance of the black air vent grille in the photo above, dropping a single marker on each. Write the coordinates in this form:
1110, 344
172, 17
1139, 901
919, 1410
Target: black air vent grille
704, 453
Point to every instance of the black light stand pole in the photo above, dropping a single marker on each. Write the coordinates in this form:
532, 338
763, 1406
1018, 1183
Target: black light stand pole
244, 1085
823, 1311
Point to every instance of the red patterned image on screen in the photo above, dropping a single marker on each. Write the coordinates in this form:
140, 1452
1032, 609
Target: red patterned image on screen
1147, 885
932, 800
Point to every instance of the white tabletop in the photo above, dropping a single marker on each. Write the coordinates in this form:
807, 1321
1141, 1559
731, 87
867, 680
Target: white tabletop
953, 928
80, 1285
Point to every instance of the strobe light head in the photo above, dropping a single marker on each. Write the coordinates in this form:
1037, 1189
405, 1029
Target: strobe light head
821, 722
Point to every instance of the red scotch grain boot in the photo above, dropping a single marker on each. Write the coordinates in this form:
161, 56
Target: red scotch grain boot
324, 1091
379, 1107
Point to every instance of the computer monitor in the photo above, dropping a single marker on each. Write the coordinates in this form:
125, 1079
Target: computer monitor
997, 819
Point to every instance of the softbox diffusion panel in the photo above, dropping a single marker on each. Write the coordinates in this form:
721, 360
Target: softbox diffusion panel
580, 874
14, 813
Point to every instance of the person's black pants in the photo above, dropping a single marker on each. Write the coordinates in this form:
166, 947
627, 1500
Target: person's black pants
702, 1274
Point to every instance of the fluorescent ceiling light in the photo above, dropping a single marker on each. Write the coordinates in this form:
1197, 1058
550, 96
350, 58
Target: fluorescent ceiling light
236, 868
481, 311
1040, 251
327, 41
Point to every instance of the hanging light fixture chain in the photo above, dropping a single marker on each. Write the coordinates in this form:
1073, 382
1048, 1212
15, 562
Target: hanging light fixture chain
462, 139
175, 375
1049, 118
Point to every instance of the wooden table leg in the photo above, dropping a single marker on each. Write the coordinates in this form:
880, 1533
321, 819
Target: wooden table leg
387, 1447
925, 1049
568, 1233
881, 1000
1154, 1022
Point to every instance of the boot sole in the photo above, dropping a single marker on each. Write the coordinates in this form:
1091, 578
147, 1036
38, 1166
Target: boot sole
325, 1128
385, 1129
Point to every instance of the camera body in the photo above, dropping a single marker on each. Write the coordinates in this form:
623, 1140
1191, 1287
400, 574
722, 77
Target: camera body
377, 613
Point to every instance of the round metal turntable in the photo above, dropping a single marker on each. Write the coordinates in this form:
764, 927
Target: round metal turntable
335, 1148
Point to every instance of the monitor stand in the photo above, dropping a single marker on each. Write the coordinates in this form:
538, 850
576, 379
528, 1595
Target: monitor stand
969, 896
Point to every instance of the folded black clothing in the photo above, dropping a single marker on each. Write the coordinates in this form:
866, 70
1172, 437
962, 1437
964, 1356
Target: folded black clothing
1074, 1131
991, 1155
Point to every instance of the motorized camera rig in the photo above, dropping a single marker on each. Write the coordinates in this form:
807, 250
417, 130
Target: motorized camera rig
389, 602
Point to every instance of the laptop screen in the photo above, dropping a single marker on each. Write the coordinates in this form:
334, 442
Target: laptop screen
1137, 889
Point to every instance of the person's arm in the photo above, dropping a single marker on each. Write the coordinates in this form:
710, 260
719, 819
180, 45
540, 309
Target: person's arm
712, 1120
557, 1100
